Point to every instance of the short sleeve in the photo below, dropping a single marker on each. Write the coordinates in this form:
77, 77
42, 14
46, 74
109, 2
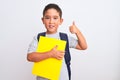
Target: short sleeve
72, 42
33, 45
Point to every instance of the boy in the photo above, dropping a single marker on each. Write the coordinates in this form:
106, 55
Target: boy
52, 18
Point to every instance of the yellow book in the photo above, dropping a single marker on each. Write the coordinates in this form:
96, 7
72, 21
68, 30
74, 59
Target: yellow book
48, 68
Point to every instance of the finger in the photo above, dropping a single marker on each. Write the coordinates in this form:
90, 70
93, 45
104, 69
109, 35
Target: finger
73, 22
60, 57
71, 29
62, 51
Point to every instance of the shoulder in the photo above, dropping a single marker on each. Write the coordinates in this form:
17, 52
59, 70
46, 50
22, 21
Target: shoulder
63, 34
41, 33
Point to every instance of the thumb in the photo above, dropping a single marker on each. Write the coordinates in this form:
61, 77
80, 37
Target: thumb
56, 47
73, 23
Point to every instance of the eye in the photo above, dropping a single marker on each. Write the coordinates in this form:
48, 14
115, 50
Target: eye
46, 17
55, 17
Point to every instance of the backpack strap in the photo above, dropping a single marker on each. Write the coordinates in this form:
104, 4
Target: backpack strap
40, 34
67, 56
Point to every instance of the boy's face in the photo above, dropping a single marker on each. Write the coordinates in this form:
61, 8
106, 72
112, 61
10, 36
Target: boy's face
51, 20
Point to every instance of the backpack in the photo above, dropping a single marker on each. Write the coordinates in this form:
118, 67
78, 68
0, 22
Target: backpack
67, 56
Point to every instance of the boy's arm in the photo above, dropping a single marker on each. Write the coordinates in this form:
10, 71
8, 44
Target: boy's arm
82, 45
37, 56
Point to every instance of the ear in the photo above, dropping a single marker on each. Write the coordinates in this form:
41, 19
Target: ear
61, 21
42, 20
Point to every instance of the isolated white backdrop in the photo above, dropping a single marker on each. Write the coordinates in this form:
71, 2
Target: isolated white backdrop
98, 20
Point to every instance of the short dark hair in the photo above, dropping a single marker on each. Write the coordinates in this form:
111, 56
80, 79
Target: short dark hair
54, 6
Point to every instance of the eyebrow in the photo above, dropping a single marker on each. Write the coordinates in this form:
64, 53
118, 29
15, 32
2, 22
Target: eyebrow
50, 16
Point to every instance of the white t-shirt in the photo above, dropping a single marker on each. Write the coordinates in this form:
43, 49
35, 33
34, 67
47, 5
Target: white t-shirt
72, 44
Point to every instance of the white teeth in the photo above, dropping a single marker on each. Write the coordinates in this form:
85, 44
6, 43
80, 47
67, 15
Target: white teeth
51, 26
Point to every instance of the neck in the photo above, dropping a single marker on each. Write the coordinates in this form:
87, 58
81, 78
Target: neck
50, 32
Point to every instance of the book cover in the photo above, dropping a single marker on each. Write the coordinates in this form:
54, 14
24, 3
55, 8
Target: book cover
48, 68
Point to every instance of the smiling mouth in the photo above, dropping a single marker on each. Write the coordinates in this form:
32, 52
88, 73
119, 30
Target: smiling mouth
51, 26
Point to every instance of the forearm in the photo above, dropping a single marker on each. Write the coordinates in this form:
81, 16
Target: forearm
36, 56
81, 41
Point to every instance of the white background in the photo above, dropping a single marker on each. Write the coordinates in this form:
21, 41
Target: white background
98, 20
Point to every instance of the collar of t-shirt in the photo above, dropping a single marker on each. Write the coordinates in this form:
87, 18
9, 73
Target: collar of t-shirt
55, 35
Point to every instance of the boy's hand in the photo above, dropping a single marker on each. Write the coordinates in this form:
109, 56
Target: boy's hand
73, 29
56, 53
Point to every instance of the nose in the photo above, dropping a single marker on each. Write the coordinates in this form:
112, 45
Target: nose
51, 21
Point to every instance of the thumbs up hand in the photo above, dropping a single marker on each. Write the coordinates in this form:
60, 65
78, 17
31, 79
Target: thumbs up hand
82, 45
73, 29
